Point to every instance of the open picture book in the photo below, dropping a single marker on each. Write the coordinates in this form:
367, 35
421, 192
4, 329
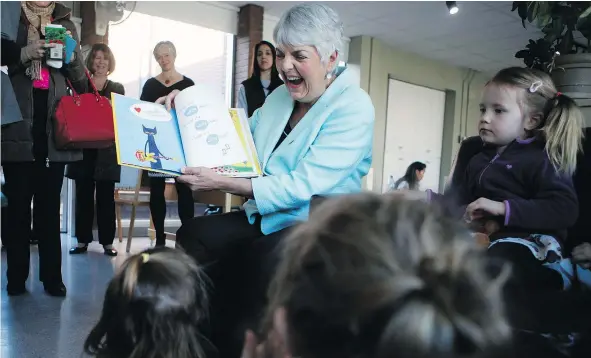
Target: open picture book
199, 132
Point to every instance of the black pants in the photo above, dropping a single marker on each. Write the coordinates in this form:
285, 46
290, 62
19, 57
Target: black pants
239, 261
186, 206
105, 210
34, 231
23, 181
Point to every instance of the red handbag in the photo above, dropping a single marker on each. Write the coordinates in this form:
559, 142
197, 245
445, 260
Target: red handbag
84, 121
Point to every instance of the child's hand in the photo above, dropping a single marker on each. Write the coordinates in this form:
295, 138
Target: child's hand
482, 207
251, 349
271, 348
582, 255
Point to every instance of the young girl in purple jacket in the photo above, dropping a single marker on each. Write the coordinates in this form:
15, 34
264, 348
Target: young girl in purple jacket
520, 182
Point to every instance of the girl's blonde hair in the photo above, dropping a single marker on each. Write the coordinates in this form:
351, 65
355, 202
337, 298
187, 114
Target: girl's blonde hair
562, 120
382, 276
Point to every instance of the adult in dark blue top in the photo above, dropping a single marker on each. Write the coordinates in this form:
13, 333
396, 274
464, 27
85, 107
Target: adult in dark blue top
264, 80
521, 180
156, 87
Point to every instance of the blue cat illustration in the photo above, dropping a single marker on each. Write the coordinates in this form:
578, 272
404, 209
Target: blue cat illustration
151, 148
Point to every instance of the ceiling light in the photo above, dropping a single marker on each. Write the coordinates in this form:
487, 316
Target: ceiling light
452, 7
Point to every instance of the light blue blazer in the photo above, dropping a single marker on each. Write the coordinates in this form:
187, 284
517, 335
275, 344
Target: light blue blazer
328, 152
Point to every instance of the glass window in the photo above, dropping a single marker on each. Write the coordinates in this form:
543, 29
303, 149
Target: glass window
203, 55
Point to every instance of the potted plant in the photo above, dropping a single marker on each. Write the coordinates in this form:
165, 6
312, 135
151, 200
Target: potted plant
568, 61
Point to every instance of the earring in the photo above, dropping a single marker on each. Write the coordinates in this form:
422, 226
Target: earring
328, 75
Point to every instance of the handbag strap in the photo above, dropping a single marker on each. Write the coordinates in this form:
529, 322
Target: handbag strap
89, 79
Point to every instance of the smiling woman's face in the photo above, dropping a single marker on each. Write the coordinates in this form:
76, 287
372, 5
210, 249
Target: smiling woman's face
303, 71
100, 63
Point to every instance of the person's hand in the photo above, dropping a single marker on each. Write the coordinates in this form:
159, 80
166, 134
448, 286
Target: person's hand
168, 101
272, 347
36, 49
582, 255
483, 207
252, 349
200, 179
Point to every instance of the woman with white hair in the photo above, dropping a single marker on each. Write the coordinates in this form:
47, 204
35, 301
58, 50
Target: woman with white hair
313, 136
167, 81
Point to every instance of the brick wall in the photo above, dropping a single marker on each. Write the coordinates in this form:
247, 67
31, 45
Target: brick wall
250, 32
88, 36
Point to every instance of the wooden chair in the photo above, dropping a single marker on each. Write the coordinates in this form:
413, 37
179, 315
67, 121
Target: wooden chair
134, 196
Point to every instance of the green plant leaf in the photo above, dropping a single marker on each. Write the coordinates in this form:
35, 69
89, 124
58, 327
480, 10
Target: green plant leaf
551, 37
522, 54
543, 13
557, 20
584, 24
567, 43
532, 11
522, 11
585, 13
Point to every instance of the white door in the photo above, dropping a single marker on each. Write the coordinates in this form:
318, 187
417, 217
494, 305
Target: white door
414, 131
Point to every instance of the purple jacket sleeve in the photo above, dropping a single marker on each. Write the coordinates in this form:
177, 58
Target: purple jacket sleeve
554, 207
455, 199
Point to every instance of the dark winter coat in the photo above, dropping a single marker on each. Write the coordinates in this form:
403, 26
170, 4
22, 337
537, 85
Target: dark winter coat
17, 138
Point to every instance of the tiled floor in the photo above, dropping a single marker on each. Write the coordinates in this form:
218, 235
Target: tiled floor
39, 326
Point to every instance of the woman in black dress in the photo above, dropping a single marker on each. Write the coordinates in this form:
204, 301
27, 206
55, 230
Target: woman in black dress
167, 81
99, 169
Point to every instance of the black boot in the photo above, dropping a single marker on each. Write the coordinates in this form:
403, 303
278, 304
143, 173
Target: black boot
16, 290
160, 241
55, 289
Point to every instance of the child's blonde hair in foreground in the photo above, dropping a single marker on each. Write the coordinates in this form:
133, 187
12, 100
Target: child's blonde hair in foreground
153, 309
383, 276
561, 119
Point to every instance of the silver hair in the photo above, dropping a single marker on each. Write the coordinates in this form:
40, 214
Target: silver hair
311, 24
168, 44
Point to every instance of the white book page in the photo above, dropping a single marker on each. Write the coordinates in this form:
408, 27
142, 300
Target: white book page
206, 128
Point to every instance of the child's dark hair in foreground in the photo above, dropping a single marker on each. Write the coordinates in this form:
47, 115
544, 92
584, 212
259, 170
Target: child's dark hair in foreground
153, 309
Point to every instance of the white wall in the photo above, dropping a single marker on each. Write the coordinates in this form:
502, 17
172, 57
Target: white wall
212, 15
414, 131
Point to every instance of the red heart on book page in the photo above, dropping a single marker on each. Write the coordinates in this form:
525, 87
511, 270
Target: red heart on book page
137, 109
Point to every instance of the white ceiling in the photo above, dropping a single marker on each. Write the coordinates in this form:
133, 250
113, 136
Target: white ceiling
483, 35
